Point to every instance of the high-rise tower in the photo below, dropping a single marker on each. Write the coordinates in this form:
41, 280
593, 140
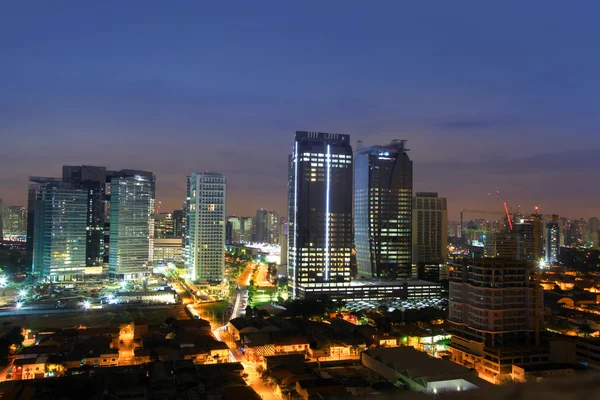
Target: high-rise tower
131, 224
319, 211
205, 241
383, 181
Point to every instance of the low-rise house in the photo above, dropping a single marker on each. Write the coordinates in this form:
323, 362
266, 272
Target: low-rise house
29, 368
258, 345
102, 358
405, 366
537, 373
319, 388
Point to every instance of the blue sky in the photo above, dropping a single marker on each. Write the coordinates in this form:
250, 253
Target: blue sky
491, 95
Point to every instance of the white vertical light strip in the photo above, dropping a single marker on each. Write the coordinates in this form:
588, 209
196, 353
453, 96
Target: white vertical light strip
295, 217
328, 162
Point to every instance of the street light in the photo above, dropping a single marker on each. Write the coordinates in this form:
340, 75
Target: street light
87, 304
23, 293
18, 305
3, 281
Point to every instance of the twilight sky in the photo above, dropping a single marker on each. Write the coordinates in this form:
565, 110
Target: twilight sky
490, 95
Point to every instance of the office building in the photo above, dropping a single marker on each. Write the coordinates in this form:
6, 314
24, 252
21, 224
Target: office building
164, 226
233, 233
282, 269
592, 236
383, 178
552, 241
260, 226
178, 224
319, 212
1, 220
167, 250
59, 227
131, 224
93, 181
430, 236
205, 241
496, 313
246, 225
14, 223
273, 227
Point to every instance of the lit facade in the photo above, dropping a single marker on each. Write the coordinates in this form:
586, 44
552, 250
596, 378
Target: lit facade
167, 250
383, 180
260, 226
59, 229
164, 226
14, 222
131, 225
496, 313
552, 242
319, 211
430, 235
205, 241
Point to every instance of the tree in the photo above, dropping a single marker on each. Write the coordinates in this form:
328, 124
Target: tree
586, 330
153, 355
249, 311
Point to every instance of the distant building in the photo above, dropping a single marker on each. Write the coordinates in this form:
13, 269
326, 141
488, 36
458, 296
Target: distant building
178, 224
319, 212
167, 250
524, 242
163, 226
14, 222
205, 241
430, 236
93, 180
234, 230
59, 227
383, 184
496, 313
131, 224
593, 231
260, 226
273, 227
552, 242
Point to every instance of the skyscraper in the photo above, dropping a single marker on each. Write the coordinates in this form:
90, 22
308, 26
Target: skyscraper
273, 227
496, 315
131, 224
92, 180
430, 236
246, 229
319, 212
178, 221
383, 180
15, 222
234, 226
1, 219
205, 255
163, 225
593, 231
552, 241
58, 229
260, 226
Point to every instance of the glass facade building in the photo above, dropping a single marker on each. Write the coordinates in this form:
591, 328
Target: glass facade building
319, 212
59, 229
205, 232
383, 181
131, 225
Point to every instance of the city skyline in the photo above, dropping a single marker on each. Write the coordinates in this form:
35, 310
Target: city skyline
479, 111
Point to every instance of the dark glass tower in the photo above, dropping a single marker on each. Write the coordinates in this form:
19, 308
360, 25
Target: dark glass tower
383, 181
319, 212
93, 181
